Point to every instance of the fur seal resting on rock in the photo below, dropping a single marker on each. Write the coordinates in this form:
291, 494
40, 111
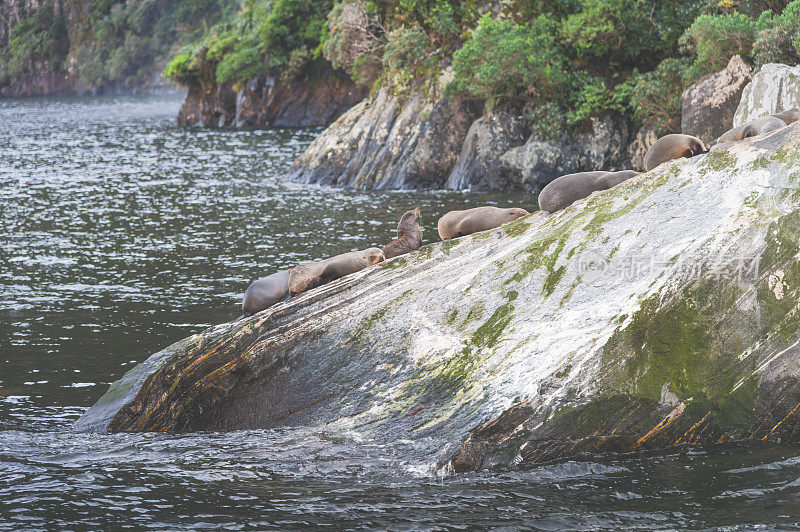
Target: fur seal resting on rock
265, 292
672, 146
565, 190
461, 223
313, 274
790, 116
409, 236
760, 126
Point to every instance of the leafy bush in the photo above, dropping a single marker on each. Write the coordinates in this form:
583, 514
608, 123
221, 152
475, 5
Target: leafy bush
655, 97
507, 61
612, 35
780, 41
406, 58
713, 39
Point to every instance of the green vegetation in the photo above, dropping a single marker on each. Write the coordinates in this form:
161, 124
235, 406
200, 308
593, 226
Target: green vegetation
103, 42
558, 63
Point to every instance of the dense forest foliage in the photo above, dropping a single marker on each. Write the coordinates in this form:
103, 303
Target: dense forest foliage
561, 61
558, 61
103, 41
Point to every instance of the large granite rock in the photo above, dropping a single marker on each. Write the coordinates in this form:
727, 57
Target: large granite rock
661, 312
708, 105
774, 88
266, 102
601, 146
386, 142
488, 138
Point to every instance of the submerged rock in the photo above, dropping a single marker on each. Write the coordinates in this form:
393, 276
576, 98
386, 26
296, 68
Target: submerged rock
661, 312
774, 88
710, 103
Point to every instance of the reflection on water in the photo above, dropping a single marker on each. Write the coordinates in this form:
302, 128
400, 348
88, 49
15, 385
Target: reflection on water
122, 234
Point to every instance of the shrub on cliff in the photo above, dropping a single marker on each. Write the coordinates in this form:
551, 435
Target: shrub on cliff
780, 41
713, 39
505, 61
39, 39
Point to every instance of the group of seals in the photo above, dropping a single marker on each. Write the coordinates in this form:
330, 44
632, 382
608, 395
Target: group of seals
272, 289
761, 126
565, 190
461, 223
558, 194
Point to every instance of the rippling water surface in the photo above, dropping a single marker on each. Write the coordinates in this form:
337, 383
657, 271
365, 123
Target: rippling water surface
122, 233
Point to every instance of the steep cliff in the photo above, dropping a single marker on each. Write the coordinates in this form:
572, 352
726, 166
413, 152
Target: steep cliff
661, 312
265, 102
84, 46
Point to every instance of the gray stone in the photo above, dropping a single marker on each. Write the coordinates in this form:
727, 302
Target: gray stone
774, 88
388, 143
660, 312
709, 104
488, 138
601, 146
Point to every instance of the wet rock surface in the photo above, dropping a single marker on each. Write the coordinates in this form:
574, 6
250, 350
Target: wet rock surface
661, 312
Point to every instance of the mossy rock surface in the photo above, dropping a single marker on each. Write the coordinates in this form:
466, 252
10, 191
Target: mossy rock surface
661, 312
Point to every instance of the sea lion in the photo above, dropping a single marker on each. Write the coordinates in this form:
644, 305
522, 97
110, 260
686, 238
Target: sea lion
409, 236
313, 274
567, 189
461, 223
672, 146
790, 116
760, 126
265, 292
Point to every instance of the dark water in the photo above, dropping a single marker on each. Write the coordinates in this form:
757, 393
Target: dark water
122, 234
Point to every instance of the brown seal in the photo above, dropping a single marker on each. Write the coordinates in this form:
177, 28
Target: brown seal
460, 223
265, 292
313, 274
409, 236
567, 189
672, 146
759, 126
790, 116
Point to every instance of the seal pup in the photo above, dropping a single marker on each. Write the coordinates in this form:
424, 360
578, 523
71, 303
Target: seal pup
790, 116
265, 292
310, 275
461, 223
565, 190
759, 126
672, 146
409, 235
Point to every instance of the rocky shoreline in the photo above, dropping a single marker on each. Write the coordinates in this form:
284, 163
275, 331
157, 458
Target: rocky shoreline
425, 141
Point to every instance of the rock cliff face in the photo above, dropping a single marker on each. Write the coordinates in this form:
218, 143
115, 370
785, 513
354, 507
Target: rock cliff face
661, 312
774, 88
270, 102
388, 143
